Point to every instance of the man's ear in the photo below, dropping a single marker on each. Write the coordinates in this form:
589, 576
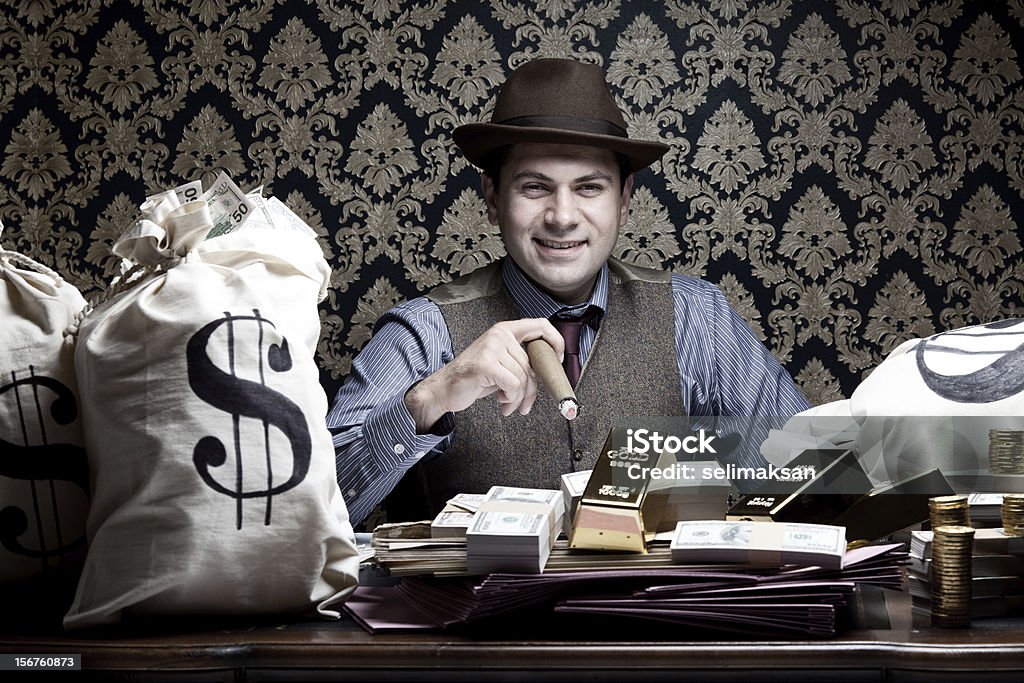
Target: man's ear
627, 194
490, 198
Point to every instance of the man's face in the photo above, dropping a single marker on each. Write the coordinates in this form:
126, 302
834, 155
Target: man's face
559, 208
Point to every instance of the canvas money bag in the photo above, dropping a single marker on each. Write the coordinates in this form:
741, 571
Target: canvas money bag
933, 401
44, 476
214, 478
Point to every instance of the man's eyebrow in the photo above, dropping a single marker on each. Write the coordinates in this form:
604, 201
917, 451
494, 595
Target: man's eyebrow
535, 175
596, 175
531, 174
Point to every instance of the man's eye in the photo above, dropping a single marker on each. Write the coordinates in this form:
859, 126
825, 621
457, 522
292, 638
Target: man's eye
533, 188
591, 188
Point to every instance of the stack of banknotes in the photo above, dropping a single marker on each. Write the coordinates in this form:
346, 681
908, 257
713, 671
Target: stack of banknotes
771, 543
457, 516
996, 573
514, 529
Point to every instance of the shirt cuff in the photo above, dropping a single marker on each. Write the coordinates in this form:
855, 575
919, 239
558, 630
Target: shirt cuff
390, 432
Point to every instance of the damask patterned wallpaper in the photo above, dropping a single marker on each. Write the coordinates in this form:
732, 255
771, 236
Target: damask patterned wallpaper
850, 173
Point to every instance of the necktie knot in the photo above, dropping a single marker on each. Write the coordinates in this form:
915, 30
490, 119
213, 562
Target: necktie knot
571, 329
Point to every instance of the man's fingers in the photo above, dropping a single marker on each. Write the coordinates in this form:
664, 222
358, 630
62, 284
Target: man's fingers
528, 329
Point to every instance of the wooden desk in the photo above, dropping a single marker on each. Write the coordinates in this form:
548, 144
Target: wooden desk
992, 650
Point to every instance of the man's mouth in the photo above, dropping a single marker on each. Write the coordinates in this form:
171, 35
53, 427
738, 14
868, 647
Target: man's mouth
558, 245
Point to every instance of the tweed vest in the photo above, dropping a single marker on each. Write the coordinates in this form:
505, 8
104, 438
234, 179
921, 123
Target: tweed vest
631, 370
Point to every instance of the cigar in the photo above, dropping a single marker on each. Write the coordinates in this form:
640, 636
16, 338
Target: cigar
551, 373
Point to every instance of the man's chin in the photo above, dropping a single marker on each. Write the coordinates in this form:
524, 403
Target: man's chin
568, 287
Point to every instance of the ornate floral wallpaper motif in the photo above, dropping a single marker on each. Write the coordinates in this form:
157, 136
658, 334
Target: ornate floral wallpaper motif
850, 173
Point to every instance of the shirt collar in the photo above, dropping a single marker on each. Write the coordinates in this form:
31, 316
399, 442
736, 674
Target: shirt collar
534, 303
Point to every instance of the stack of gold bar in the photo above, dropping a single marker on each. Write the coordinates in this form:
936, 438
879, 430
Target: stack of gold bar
951, 576
949, 511
1013, 514
1006, 451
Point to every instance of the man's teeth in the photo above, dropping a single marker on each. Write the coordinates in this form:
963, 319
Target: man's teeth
559, 245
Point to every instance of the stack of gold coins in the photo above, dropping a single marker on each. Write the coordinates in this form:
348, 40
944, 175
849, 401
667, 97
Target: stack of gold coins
1005, 451
949, 511
1013, 514
951, 576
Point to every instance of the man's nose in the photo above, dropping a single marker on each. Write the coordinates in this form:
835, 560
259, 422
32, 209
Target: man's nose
563, 211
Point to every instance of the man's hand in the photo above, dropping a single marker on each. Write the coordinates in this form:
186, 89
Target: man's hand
495, 363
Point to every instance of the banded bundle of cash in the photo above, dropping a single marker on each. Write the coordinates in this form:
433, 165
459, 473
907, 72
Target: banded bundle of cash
514, 530
457, 516
769, 543
996, 571
987, 508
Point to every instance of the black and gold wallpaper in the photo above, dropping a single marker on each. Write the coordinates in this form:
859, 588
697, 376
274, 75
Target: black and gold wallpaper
849, 172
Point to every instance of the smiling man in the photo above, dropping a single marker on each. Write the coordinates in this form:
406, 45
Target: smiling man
444, 394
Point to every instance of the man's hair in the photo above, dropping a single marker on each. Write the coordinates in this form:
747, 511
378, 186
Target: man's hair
496, 158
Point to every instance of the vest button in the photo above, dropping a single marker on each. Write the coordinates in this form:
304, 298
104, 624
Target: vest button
577, 455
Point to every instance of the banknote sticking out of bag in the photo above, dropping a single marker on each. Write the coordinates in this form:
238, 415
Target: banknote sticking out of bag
762, 543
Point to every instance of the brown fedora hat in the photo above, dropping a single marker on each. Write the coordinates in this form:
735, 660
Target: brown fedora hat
558, 101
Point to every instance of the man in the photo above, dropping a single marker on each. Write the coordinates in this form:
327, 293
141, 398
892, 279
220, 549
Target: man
557, 182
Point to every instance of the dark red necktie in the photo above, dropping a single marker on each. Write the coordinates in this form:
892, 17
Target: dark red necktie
570, 329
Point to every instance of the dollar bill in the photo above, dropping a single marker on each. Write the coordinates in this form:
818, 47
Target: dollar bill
229, 207
173, 198
285, 218
575, 483
509, 524
470, 502
520, 495
262, 211
451, 524
188, 192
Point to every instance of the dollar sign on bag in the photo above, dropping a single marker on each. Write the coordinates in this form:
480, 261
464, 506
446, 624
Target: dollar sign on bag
41, 464
244, 398
1001, 379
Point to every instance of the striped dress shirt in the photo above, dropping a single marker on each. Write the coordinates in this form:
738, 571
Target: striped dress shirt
724, 369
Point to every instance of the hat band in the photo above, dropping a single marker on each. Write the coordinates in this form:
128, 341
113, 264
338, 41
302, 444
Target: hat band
597, 126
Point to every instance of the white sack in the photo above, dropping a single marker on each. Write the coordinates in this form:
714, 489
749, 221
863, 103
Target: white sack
930, 404
44, 474
201, 396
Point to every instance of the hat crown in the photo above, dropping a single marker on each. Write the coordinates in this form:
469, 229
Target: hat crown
557, 88
555, 101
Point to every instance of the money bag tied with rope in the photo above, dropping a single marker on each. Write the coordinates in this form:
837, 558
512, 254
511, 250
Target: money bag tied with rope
945, 402
215, 488
44, 476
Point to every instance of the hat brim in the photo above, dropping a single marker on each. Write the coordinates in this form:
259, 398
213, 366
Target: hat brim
477, 140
